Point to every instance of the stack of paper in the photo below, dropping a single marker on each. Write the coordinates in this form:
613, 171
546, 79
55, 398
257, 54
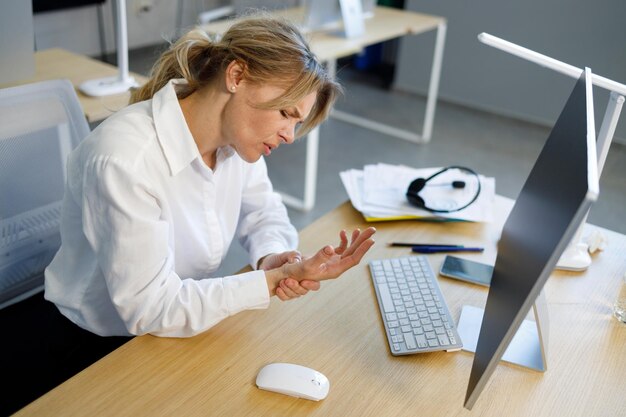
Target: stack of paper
379, 193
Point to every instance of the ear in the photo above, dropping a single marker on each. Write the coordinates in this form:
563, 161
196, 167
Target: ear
234, 75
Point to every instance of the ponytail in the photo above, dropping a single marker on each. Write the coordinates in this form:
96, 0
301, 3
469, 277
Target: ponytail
187, 58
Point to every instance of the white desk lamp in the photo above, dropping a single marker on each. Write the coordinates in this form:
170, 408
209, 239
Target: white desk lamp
123, 81
576, 255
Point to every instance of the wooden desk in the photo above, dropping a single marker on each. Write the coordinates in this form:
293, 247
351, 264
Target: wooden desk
338, 331
57, 63
386, 23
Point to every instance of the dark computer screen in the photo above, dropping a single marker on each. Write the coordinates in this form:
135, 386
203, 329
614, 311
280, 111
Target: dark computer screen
551, 205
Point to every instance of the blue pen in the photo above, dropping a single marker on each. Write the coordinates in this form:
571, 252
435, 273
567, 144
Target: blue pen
437, 249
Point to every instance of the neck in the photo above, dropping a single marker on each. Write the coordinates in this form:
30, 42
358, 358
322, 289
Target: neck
204, 121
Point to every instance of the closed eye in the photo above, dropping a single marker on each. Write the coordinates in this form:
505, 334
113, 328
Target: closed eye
286, 115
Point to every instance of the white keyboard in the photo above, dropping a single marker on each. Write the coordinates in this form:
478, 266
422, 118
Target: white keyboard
412, 307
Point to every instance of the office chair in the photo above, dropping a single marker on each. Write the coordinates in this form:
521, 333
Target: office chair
40, 124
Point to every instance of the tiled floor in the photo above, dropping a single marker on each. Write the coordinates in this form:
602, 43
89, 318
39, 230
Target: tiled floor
495, 146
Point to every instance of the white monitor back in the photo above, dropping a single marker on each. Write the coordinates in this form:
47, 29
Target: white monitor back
368, 7
337, 15
322, 15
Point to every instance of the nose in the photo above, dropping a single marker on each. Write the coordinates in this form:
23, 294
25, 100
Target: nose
289, 134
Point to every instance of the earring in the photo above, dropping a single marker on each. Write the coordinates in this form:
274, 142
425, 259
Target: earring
233, 88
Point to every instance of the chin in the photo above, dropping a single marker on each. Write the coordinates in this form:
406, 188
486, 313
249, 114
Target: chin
250, 157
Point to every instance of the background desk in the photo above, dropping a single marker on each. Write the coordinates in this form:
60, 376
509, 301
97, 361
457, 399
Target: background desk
57, 63
387, 23
338, 331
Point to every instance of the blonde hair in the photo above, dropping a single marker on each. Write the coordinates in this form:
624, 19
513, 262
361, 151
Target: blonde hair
271, 50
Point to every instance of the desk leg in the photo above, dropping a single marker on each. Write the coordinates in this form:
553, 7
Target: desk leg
433, 87
310, 170
310, 175
431, 102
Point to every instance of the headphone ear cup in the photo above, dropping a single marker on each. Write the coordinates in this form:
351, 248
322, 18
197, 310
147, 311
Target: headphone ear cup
412, 194
415, 199
417, 185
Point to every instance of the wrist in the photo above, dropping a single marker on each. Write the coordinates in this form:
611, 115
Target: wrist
273, 277
260, 261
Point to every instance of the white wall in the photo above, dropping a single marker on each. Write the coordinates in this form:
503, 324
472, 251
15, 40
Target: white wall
579, 32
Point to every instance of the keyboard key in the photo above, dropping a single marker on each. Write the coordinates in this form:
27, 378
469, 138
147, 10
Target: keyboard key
386, 298
443, 340
410, 341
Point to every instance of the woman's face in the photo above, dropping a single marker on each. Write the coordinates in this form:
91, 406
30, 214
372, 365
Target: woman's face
253, 132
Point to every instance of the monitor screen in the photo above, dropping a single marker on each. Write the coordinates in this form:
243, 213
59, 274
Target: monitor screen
549, 209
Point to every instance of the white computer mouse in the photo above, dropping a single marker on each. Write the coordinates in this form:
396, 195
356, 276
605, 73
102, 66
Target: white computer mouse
295, 380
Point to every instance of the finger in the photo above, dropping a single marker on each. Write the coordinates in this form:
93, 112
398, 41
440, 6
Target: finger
347, 262
317, 263
355, 235
294, 256
343, 236
281, 294
295, 286
321, 255
288, 291
362, 237
310, 285
359, 252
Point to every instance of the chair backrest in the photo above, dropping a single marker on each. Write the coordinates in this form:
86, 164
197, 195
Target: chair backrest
40, 124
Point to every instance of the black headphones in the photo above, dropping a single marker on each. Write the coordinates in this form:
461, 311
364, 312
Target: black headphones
412, 194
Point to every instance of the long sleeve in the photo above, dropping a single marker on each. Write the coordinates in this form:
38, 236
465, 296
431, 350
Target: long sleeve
264, 225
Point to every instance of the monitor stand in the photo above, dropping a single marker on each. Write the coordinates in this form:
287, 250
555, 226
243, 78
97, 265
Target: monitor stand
528, 348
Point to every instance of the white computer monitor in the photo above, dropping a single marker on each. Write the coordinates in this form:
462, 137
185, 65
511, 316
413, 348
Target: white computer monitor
321, 15
341, 16
553, 202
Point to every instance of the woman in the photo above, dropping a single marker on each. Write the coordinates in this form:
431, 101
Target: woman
158, 191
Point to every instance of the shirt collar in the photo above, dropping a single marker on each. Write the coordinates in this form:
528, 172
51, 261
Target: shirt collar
171, 128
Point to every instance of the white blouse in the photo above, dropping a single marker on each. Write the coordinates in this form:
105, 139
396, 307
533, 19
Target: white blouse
145, 222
